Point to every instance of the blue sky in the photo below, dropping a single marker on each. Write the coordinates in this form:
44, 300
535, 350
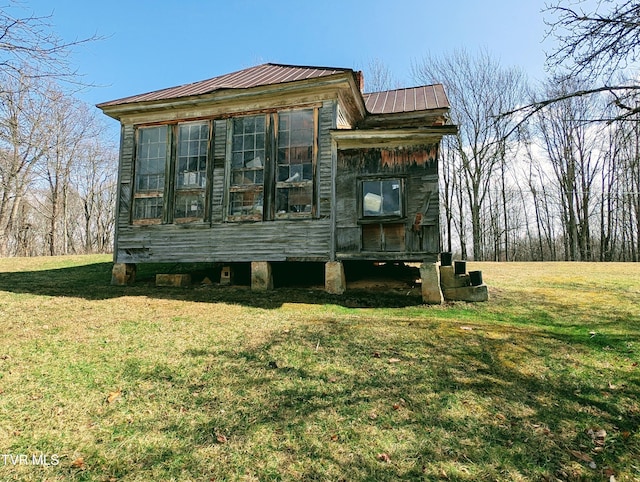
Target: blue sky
150, 45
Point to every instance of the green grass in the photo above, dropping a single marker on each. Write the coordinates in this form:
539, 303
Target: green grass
227, 384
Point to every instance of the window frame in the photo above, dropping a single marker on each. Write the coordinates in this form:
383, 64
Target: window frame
304, 183
249, 189
138, 194
372, 218
169, 191
203, 191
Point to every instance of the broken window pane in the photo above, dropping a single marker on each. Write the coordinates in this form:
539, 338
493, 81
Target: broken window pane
294, 187
247, 166
189, 205
382, 198
151, 159
193, 142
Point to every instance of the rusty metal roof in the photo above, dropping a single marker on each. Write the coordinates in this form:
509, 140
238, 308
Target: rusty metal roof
407, 100
412, 99
265, 74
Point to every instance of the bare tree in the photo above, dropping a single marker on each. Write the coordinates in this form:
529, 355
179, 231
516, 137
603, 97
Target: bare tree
596, 40
27, 39
377, 76
21, 131
479, 89
95, 180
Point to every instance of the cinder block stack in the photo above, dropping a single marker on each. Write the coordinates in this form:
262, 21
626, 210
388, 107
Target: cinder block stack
458, 285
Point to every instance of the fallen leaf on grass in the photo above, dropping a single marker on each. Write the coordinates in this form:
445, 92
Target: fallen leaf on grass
221, 438
334, 438
583, 457
113, 396
78, 463
383, 458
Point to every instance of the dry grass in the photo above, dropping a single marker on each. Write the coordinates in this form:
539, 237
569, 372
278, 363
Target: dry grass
210, 383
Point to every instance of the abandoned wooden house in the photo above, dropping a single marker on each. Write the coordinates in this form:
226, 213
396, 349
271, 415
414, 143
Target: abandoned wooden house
280, 163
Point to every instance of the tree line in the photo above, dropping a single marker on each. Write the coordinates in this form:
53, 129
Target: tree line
559, 183
552, 171
57, 170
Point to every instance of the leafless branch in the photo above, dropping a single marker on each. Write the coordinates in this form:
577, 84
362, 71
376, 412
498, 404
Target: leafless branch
594, 43
29, 40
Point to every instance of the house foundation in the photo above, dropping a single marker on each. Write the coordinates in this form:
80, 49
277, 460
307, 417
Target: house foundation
226, 276
261, 276
431, 291
123, 274
334, 280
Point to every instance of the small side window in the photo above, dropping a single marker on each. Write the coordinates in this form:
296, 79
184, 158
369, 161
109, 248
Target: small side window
382, 198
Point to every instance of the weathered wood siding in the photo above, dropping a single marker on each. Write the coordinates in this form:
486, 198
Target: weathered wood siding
327, 121
418, 168
215, 240
218, 181
226, 242
126, 176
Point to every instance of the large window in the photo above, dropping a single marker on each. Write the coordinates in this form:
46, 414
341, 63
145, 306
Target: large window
191, 171
294, 186
150, 165
246, 193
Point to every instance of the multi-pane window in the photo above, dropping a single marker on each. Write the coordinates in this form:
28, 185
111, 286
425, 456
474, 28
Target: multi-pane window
246, 193
295, 163
191, 170
151, 158
382, 197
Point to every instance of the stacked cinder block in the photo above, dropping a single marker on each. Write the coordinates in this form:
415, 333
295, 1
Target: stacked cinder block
458, 285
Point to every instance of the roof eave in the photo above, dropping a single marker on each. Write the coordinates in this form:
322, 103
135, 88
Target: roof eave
351, 138
418, 118
117, 111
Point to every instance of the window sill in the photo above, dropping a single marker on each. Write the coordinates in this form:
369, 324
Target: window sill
383, 220
145, 222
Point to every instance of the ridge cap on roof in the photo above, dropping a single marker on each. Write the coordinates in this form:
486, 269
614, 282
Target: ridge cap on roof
319, 67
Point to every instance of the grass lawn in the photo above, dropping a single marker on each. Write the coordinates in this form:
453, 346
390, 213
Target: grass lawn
104, 383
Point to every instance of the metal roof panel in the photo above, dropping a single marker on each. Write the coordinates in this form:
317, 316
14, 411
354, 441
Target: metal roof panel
412, 99
265, 74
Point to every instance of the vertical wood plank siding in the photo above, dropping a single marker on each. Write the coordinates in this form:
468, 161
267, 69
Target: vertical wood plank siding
218, 182
126, 177
418, 167
327, 122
